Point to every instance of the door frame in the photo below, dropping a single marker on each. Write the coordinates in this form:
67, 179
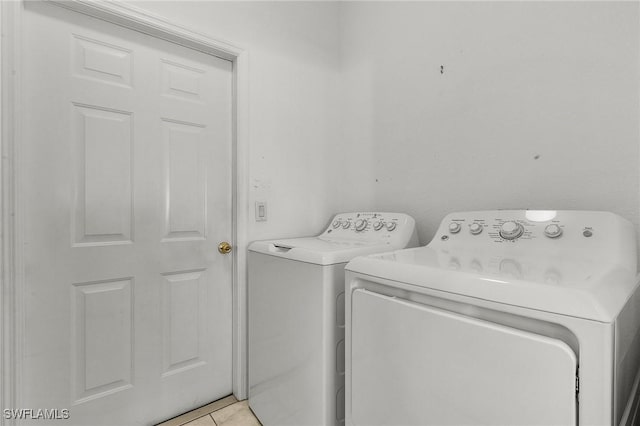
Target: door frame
11, 261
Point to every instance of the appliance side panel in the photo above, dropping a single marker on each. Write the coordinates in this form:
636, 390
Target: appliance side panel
627, 354
285, 340
334, 344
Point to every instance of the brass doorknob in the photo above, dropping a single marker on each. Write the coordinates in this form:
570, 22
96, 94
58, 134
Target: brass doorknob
224, 247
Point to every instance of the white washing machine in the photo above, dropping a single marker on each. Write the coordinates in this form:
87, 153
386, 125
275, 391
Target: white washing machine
296, 316
506, 318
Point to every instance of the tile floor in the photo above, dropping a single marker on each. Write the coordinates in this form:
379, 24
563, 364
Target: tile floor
223, 412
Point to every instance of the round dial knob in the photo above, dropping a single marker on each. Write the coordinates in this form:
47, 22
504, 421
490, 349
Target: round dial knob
346, 225
378, 225
336, 224
552, 231
454, 227
391, 226
475, 228
511, 230
361, 224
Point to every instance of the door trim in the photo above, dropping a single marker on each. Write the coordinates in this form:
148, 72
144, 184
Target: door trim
11, 262
10, 222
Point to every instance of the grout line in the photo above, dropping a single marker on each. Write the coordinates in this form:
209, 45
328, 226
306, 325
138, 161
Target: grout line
214, 420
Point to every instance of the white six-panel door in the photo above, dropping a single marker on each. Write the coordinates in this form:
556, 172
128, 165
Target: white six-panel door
125, 184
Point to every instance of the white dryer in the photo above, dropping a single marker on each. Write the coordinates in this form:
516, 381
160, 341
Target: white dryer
296, 316
507, 317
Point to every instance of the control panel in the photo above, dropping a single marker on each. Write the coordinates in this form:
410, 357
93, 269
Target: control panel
371, 226
517, 226
550, 246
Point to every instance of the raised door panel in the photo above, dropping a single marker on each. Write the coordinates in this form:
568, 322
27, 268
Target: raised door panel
185, 180
103, 176
102, 355
182, 81
183, 326
102, 61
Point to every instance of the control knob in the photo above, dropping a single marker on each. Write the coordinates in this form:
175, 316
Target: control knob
378, 225
336, 224
346, 225
475, 228
361, 224
391, 226
454, 227
511, 230
552, 231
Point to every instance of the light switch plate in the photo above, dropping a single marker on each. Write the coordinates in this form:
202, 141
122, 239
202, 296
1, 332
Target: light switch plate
261, 211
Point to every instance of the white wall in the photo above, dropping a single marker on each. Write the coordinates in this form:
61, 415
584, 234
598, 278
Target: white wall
536, 107
294, 99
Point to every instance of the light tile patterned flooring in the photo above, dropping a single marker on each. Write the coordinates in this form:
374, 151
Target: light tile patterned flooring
223, 412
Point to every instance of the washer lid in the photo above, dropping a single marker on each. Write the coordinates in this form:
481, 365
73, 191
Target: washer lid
318, 250
594, 289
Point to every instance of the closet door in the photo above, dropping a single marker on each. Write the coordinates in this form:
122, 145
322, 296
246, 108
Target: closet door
125, 184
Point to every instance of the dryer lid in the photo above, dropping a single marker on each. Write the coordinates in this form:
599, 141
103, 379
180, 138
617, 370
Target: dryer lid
581, 289
589, 271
